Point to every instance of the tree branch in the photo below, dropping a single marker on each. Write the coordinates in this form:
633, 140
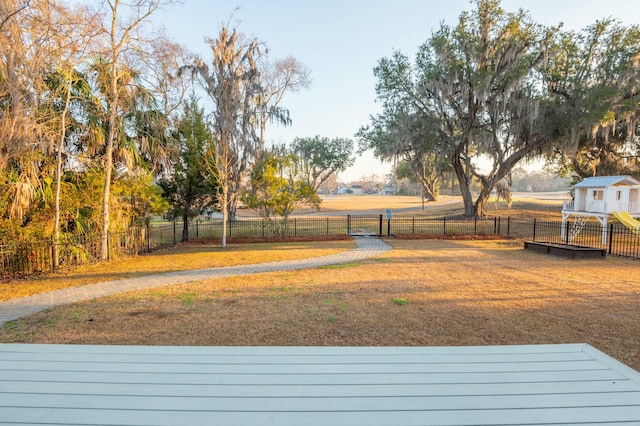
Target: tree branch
9, 16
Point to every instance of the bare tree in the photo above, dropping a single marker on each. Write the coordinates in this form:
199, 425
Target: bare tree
22, 67
11, 9
36, 38
278, 78
233, 84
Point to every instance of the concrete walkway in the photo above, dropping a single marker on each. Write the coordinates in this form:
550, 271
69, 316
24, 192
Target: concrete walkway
16, 308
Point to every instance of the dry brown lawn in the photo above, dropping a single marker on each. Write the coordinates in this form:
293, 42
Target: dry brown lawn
196, 255
525, 206
423, 292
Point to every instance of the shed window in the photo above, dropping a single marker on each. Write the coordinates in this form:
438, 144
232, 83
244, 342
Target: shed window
618, 195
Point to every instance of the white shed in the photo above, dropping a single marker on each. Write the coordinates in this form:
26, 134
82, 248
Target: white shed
601, 197
357, 189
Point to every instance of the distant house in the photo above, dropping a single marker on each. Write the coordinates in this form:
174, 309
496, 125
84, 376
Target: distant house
388, 189
342, 190
356, 189
602, 196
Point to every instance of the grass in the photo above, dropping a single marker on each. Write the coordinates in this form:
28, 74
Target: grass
399, 301
188, 299
342, 265
524, 206
196, 255
452, 292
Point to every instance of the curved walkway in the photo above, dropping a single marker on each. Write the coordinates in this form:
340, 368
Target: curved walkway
16, 308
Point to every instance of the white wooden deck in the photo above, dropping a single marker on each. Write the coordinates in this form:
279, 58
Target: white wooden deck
135, 385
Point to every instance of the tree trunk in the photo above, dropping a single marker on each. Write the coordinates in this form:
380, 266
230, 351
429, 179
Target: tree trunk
232, 205
63, 135
429, 190
225, 213
481, 202
108, 161
185, 226
463, 180
106, 193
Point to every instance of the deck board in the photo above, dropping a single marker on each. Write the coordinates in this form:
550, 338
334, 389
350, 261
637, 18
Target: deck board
145, 385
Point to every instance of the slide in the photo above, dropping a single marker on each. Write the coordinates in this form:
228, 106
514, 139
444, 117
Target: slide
628, 221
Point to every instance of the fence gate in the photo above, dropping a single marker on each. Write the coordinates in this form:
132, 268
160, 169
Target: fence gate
364, 225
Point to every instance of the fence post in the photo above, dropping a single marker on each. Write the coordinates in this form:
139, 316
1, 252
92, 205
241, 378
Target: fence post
148, 236
53, 253
566, 231
348, 224
388, 227
495, 225
327, 226
610, 238
197, 229
534, 228
380, 226
475, 225
174, 232
413, 224
508, 226
295, 227
444, 226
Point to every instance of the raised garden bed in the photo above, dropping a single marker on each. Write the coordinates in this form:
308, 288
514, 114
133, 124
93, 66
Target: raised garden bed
566, 250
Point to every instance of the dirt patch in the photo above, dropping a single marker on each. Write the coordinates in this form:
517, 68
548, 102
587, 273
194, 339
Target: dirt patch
423, 292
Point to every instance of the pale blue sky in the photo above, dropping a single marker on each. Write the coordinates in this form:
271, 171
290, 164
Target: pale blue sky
341, 42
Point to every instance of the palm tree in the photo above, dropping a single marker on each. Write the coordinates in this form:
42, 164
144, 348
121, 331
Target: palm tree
126, 129
69, 90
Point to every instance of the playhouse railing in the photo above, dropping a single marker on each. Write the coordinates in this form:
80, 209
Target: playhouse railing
630, 207
597, 206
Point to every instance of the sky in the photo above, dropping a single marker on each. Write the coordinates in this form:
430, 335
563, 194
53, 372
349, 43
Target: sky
341, 41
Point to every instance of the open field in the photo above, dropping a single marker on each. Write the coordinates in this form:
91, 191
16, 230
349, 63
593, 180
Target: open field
525, 205
423, 292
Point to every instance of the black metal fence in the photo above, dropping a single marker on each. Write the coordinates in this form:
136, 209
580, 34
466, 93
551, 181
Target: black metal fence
21, 259
38, 257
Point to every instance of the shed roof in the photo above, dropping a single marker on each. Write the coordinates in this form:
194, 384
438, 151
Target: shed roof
605, 181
